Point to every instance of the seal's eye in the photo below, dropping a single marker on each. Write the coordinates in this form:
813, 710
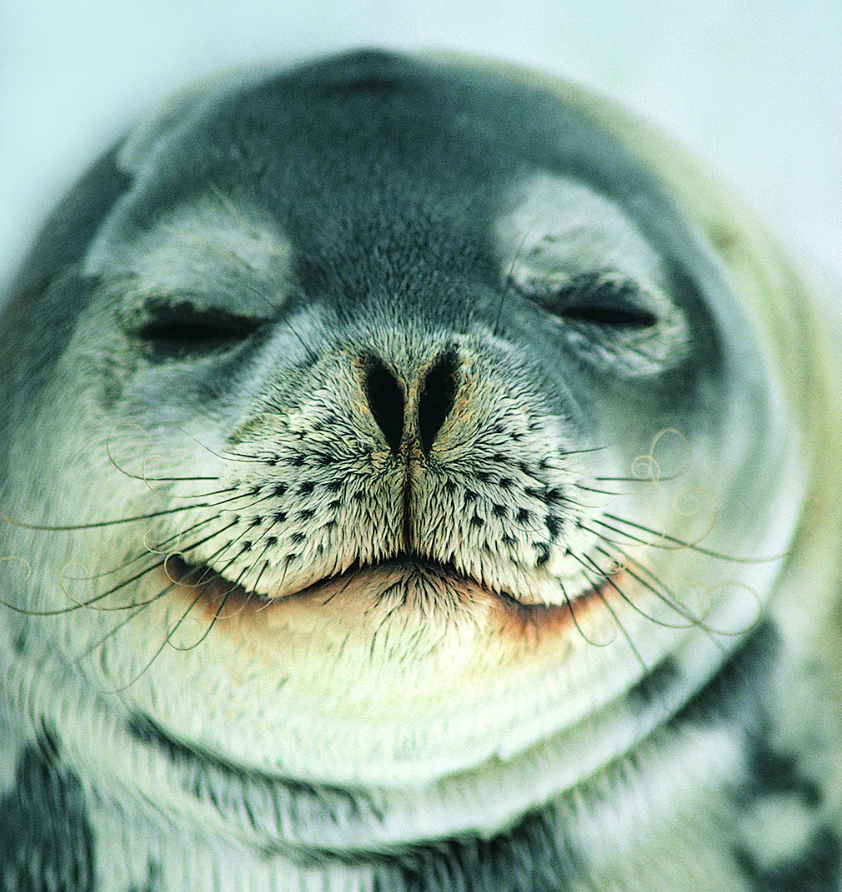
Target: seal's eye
184, 331
602, 300
612, 321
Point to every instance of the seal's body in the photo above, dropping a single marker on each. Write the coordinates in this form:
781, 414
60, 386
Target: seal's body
415, 475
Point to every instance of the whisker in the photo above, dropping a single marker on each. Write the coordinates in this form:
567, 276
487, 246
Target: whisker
219, 532
648, 479
159, 650
151, 548
227, 456
138, 609
261, 557
92, 602
210, 626
628, 536
209, 576
564, 453
255, 588
610, 492
659, 622
152, 515
134, 578
167, 638
78, 605
144, 476
245, 459
311, 355
65, 528
506, 290
665, 595
569, 602
598, 589
159, 549
694, 545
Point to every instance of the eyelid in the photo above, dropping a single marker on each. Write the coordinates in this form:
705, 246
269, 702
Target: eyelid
615, 322
571, 295
599, 298
139, 308
183, 328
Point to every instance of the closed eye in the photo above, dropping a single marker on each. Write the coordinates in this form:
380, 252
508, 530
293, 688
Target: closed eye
183, 331
601, 300
612, 321
617, 317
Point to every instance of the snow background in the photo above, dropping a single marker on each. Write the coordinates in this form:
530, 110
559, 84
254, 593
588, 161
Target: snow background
754, 87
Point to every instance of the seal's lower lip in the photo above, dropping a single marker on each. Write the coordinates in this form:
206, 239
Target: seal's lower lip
430, 609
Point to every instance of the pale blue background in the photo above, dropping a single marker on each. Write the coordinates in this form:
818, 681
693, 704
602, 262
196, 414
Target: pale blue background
754, 87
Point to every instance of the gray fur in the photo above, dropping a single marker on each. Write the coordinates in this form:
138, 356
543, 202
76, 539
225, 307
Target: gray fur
47, 843
368, 400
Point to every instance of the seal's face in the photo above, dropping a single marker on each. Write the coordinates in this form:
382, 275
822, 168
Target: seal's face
403, 426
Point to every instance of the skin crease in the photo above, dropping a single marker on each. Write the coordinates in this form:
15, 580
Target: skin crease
436, 453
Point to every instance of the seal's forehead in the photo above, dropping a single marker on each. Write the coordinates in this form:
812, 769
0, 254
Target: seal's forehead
368, 118
359, 154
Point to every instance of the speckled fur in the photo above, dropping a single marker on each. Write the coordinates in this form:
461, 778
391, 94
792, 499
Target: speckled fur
416, 475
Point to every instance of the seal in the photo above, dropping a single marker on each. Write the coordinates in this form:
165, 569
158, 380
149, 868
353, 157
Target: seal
418, 474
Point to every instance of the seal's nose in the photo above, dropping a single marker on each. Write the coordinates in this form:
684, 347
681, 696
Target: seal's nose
436, 399
386, 400
386, 395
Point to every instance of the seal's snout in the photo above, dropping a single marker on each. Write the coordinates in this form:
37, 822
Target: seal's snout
413, 410
435, 449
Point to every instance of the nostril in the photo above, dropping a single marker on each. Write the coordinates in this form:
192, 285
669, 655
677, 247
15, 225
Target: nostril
386, 401
436, 399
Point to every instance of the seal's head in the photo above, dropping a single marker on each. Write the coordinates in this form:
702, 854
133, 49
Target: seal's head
389, 427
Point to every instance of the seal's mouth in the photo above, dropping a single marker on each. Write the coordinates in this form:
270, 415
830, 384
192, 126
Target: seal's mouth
410, 581
216, 587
